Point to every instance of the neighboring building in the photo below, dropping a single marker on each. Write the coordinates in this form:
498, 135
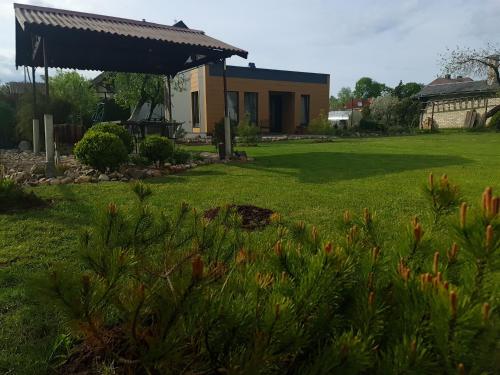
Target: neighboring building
344, 119
451, 102
277, 101
20, 88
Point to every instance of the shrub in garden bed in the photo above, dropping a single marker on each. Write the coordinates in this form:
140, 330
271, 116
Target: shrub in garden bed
180, 156
172, 294
156, 149
14, 197
101, 150
117, 130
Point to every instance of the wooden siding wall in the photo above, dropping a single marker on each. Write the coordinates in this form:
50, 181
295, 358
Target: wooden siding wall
214, 99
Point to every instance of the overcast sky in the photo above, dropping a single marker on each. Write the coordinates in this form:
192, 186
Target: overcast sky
387, 40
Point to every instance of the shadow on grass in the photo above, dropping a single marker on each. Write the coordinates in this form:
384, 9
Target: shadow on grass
181, 177
324, 167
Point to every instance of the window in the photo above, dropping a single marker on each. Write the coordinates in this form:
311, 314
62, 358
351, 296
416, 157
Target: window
304, 110
232, 106
195, 109
251, 100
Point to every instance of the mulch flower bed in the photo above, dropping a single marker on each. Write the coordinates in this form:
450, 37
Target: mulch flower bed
252, 217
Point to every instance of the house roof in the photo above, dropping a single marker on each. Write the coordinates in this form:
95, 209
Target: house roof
443, 80
99, 42
457, 88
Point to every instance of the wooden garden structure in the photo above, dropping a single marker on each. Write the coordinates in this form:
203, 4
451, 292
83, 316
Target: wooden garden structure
56, 38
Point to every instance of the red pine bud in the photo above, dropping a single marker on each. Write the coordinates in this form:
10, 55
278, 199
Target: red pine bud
418, 232
463, 214
486, 311
328, 248
197, 265
461, 369
435, 264
489, 236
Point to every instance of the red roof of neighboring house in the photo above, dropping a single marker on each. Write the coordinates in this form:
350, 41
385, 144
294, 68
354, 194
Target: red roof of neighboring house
358, 103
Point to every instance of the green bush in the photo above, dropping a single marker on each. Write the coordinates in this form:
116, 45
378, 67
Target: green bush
179, 293
14, 197
367, 124
495, 121
101, 151
248, 134
156, 149
320, 125
180, 156
7, 124
117, 130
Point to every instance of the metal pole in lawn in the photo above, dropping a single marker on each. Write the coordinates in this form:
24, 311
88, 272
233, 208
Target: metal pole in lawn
227, 124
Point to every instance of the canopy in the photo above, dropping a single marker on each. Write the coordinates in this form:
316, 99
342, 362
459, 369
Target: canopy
87, 41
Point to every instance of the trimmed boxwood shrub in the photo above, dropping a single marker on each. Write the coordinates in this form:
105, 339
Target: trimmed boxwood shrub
117, 130
180, 156
101, 150
156, 149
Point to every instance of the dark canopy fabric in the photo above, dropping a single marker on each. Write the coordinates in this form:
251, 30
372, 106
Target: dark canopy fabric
95, 42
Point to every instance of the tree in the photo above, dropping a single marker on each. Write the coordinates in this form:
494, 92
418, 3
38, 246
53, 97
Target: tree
345, 94
383, 110
367, 88
478, 62
407, 90
133, 90
76, 90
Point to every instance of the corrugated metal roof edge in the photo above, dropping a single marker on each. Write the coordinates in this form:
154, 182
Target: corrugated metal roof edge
238, 51
105, 18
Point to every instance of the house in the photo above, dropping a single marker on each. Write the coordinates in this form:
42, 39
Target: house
277, 101
456, 102
358, 104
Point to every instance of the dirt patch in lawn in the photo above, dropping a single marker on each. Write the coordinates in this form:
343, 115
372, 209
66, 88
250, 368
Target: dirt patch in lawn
252, 217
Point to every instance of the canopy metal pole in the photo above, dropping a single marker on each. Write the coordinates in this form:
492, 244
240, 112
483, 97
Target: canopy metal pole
227, 124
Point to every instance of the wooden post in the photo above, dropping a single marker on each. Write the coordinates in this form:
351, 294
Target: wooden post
432, 116
227, 124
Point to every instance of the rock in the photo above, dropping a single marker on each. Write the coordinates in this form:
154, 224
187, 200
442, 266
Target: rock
66, 180
103, 177
155, 173
83, 179
136, 174
124, 179
55, 181
24, 146
20, 177
38, 169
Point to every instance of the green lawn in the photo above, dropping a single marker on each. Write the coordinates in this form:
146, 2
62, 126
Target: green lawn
313, 182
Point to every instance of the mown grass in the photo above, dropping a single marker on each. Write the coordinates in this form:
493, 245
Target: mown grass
314, 182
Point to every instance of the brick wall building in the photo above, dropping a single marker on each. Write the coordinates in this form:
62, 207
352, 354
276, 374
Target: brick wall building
449, 102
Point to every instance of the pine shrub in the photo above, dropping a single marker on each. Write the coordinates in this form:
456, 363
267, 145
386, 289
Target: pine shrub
181, 294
